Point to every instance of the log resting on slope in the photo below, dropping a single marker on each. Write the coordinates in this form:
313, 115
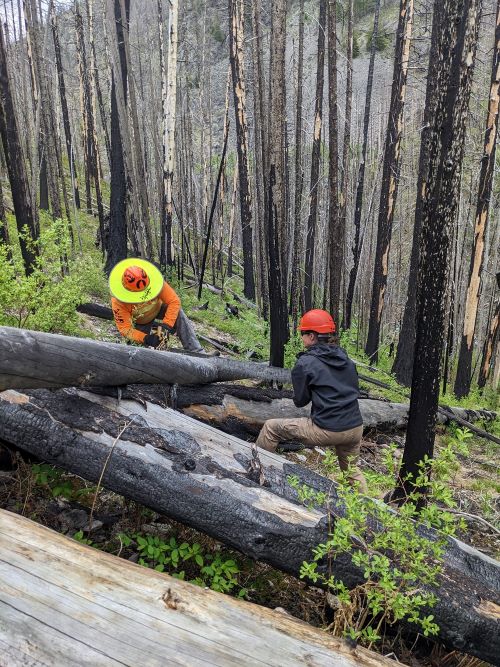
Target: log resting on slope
243, 410
136, 616
210, 481
31, 359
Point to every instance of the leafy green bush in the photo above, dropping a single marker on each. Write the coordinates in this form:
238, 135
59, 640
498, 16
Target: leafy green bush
398, 561
47, 299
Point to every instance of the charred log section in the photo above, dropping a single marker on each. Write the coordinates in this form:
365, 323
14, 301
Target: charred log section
211, 481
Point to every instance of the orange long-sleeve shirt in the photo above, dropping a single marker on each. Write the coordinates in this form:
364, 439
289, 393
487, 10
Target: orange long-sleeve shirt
127, 315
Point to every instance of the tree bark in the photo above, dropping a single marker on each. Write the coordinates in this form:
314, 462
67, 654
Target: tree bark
453, 52
316, 148
167, 462
15, 163
464, 368
336, 232
236, 38
276, 213
390, 176
34, 359
296, 280
356, 247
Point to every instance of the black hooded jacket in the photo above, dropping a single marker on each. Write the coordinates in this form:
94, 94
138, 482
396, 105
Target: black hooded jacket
325, 375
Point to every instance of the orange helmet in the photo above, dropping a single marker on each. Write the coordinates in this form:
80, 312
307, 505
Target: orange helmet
135, 279
317, 320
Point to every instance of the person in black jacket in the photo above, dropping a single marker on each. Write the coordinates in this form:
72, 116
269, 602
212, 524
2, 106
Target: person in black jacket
325, 377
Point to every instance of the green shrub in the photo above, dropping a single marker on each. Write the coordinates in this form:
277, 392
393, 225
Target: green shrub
399, 563
46, 300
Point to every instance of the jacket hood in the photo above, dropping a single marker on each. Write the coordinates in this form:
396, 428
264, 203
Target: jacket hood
331, 355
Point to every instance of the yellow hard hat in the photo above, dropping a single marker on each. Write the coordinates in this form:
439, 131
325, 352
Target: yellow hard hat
135, 280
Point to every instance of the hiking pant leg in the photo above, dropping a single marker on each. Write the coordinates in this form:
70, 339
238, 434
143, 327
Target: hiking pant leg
186, 334
347, 448
275, 431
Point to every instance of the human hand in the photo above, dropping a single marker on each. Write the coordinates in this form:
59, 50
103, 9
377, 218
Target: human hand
152, 340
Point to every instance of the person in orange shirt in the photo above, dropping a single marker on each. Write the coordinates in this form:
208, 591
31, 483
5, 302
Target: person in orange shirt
139, 297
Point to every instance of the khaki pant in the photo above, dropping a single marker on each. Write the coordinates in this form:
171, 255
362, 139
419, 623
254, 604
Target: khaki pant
304, 430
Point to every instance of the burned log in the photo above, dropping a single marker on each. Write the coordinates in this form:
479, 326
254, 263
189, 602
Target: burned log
213, 482
31, 359
243, 410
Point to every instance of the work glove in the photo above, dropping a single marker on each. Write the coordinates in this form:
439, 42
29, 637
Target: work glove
152, 340
168, 328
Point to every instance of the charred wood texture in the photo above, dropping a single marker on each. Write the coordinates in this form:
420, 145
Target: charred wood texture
242, 411
213, 482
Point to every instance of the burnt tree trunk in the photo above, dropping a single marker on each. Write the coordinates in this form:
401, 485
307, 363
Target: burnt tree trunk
296, 281
464, 368
316, 148
14, 158
336, 232
64, 108
276, 214
489, 346
237, 70
390, 176
357, 241
116, 239
450, 75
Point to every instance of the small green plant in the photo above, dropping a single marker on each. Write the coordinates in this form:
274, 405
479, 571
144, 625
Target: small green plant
307, 496
399, 564
56, 483
209, 570
79, 537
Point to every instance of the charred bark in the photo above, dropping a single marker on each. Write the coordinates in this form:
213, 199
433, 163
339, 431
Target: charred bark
453, 53
390, 176
31, 359
14, 158
168, 462
314, 184
464, 368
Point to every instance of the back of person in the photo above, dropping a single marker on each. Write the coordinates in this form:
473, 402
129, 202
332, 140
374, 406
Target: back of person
326, 376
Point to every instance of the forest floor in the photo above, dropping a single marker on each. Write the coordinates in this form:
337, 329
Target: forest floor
64, 503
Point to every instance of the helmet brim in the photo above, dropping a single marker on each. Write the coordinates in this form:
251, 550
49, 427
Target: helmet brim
126, 296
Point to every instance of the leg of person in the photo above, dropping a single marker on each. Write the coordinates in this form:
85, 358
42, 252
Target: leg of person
186, 334
347, 447
275, 431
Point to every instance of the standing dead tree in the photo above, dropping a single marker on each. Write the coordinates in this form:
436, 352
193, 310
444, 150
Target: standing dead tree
464, 369
235, 9
357, 242
9, 132
316, 148
168, 101
390, 175
276, 214
451, 65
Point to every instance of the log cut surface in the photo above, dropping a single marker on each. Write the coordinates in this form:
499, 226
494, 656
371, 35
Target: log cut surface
63, 604
211, 481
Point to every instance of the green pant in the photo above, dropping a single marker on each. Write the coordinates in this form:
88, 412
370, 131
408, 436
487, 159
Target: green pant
304, 430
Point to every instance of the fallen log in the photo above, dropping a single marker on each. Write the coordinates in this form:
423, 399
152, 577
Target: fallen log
53, 612
30, 359
243, 410
211, 481
460, 415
